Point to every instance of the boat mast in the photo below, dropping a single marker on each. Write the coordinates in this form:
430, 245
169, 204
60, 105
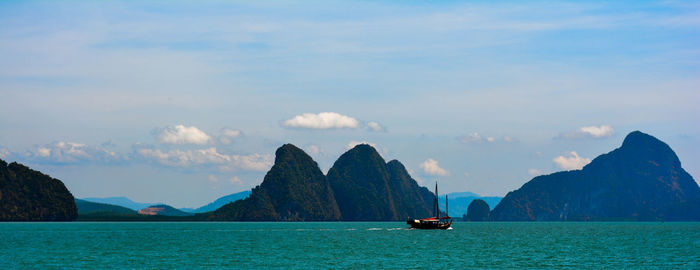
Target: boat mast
447, 206
437, 202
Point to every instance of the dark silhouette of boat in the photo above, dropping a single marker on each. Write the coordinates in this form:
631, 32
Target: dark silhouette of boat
436, 222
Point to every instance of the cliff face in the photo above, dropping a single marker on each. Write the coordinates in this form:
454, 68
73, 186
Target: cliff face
410, 199
641, 180
367, 188
29, 195
294, 189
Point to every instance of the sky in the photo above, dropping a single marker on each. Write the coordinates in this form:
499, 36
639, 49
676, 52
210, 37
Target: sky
182, 102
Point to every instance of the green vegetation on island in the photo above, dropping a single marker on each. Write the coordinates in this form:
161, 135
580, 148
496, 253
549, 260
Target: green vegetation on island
294, 189
359, 186
29, 195
478, 210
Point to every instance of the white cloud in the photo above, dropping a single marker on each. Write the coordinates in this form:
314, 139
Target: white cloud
508, 139
534, 172
227, 134
4, 153
313, 150
324, 120
231, 133
490, 139
602, 131
183, 135
187, 158
431, 167
571, 161
252, 162
466, 174
44, 152
374, 126
352, 144
598, 132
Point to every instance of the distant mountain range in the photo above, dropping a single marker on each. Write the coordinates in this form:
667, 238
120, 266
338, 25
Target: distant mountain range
163, 210
221, 202
459, 202
121, 201
93, 208
640, 181
128, 203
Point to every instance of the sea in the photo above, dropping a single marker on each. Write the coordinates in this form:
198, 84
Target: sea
349, 245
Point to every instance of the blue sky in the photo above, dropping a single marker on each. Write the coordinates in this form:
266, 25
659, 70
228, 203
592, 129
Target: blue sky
182, 102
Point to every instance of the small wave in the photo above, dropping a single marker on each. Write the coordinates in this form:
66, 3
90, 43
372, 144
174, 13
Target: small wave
374, 229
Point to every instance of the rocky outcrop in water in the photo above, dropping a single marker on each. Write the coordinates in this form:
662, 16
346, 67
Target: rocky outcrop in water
641, 180
294, 189
478, 210
359, 186
368, 188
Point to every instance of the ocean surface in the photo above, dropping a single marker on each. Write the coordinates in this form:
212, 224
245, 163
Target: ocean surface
183, 245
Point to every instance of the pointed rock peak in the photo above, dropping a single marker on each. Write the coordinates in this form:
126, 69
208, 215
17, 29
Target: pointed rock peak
363, 147
638, 138
395, 165
645, 144
362, 152
289, 150
394, 162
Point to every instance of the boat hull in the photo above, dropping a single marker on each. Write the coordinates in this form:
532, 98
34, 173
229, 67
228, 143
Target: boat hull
429, 225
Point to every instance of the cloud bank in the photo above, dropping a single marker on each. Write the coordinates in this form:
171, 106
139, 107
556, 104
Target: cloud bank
207, 157
68, 153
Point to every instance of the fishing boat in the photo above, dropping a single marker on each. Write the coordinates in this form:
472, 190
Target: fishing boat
436, 222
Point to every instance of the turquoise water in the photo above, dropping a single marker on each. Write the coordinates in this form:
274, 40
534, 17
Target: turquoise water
348, 245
